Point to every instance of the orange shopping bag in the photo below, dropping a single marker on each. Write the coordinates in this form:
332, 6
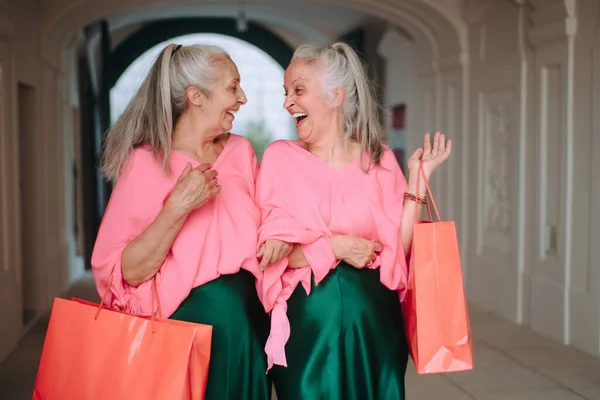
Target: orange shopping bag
91, 355
435, 309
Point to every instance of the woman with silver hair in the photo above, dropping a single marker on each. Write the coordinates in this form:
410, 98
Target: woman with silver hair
336, 230
173, 225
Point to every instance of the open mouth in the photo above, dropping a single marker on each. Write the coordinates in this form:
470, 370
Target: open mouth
232, 113
299, 117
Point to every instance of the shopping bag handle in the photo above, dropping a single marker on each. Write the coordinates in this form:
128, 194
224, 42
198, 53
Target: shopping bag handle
155, 298
428, 192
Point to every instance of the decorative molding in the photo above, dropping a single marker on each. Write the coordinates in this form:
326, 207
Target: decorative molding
496, 130
450, 62
497, 162
552, 21
475, 10
391, 41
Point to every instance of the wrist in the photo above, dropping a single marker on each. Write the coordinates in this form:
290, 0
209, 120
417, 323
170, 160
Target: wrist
336, 247
173, 214
412, 185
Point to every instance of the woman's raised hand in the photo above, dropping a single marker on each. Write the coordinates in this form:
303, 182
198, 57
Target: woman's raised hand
194, 187
432, 156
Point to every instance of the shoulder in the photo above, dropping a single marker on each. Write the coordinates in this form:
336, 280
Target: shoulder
141, 161
239, 141
279, 148
388, 158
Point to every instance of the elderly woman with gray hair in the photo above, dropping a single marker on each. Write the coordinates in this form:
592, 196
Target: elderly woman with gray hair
172, 223
337, 218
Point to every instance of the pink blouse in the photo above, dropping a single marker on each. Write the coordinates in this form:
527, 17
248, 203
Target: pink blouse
304, 200
218, 238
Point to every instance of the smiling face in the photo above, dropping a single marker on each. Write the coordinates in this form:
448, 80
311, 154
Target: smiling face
306, 102
226, 98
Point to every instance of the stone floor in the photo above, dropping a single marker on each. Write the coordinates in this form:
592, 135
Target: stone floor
511, 363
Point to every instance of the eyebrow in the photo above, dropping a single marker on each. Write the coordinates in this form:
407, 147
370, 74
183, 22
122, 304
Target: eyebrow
296, 80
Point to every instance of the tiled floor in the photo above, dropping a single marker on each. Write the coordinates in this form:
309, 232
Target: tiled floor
511, 363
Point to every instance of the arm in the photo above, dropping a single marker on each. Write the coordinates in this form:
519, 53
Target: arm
430, 158
297, 259
410, 210
143, 256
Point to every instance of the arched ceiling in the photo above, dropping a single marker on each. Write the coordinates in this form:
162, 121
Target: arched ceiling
432, 23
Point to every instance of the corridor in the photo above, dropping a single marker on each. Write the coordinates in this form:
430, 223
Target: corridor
511, 363
515, 84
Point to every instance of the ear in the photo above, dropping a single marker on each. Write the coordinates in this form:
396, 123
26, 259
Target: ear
337, 97
194, 95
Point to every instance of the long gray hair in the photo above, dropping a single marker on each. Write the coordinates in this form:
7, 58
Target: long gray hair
342, 67
153, 112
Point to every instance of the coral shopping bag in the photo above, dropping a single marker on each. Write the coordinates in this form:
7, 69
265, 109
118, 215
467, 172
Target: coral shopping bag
435, 309
92, 352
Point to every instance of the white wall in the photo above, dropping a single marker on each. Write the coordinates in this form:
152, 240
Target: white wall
522, 181
531, 105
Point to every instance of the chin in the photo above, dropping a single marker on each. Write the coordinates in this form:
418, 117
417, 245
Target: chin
304, 135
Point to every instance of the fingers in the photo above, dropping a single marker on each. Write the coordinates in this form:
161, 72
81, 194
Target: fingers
417, 154
377, 247
284, 250
260, 251
442, 144
266, 259
448, 149
203, 167
212, 183
214, 191
211, 174
186, 170
427, 144
436, 143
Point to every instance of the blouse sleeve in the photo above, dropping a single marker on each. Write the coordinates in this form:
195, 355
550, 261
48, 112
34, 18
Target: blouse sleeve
137, 198
278, 205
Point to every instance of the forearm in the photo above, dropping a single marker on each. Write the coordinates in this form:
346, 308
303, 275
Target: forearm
143, 256
297, 259
409, 211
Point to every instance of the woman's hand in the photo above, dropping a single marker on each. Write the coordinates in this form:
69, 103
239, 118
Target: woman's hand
354, 250
273, 250
194, 187
432, 157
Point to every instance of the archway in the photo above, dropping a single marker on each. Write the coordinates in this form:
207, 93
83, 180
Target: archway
262, 119
151, 34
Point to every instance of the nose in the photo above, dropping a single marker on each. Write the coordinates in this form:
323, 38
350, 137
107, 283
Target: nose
242, 97
288, 102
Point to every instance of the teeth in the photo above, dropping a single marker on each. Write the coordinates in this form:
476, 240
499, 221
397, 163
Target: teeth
298, 115
231, 112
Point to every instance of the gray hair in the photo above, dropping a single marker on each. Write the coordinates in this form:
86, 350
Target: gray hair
153, 112
342, 67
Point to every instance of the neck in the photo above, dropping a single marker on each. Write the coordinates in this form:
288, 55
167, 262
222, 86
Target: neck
189, 135
332, 144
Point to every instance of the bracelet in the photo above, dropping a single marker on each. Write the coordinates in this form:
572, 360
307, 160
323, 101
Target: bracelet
416, 198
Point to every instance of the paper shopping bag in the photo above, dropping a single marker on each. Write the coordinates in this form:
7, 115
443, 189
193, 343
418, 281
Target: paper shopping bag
91, 355
435, 309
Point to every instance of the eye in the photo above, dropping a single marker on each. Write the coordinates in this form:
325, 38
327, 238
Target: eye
298, 90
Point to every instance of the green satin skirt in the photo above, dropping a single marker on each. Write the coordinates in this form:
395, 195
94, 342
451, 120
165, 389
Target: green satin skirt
347, 340
238, 363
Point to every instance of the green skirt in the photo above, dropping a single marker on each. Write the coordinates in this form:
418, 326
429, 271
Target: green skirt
347, 340
238, 363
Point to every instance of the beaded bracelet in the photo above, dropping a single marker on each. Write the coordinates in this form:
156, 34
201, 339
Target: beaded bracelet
415, 198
